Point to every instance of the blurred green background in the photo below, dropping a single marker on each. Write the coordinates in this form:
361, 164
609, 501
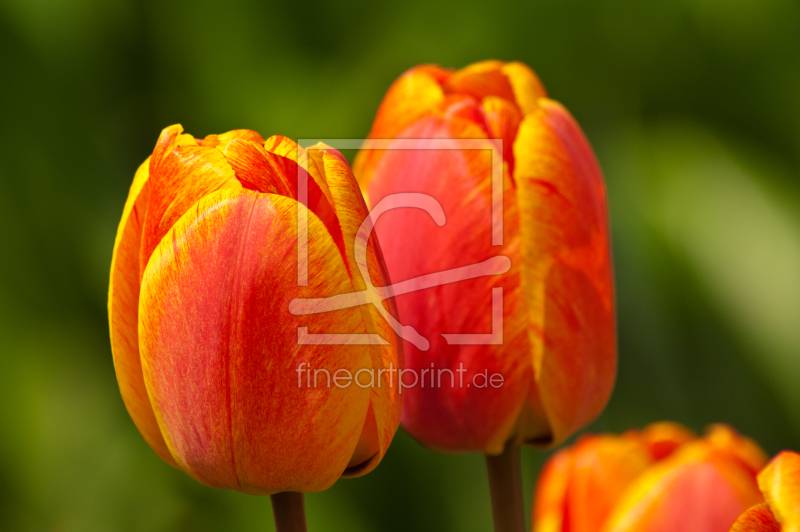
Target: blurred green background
693, 107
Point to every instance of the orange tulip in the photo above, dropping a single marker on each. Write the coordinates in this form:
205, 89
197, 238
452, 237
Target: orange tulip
205, 347
780, 484
663, 478
554, 359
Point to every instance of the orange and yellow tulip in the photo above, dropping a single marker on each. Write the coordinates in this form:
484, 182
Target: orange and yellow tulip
780, 484
205, 348
556, 361
663, 478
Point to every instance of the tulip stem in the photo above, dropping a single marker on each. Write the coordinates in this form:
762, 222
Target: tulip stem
289, 511
505, 483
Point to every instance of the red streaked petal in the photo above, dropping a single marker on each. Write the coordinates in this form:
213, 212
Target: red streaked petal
759, 518
748, 452
351, 211
438, 73
242, 134
123, 312
295, 163
550, 496
220, 348
186, 174
696, 489
780, 483
567, 276
665, 437
602, 469
257, 169
213, 141
525, 84
415, 94
210, 141
577, 494
289, 149
303, 161
460, 106
452, 416
171, 137
480, 80
368, 451
503, 118
532, 426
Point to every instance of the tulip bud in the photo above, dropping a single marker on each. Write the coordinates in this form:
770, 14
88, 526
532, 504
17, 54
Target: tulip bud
780, 484
662, 478
545, 363
207, 353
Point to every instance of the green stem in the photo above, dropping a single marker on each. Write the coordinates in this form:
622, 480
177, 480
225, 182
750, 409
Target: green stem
505, 483
289, 512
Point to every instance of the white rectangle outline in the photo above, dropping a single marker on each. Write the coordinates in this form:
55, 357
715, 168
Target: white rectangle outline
495, 146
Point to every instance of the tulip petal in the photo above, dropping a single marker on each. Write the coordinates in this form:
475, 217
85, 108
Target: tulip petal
665, 437
298, 164
413, 95
351, 211
257, 169
480, 80
184, 175
567, 276
452, 415
123, 311
759, 518
210, 141
348, 203
170, 138
603, 468
550, 496
242, 134
600, 469
368, 452
698, 489
213, 141
463, 107
503, 120
291, 151
780, 483
437, 72
749, 453
525, 84
214, 316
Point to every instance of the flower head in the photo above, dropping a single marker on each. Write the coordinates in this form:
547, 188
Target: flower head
206, 351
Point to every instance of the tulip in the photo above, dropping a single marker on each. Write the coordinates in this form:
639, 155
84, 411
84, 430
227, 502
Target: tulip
662, 478
205, 349
552, 365
558, 358
780, 484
